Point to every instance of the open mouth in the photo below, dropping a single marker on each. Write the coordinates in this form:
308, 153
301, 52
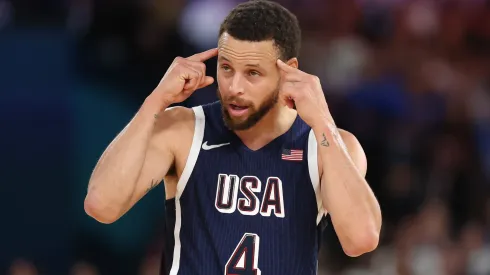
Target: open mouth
237, 110
238, 107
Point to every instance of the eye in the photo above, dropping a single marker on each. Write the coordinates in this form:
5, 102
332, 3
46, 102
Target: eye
254, 73
225, 68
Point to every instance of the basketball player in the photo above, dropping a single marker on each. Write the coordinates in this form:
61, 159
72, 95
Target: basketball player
249, 178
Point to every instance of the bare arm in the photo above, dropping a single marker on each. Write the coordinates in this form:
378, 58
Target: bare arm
135, 162
345, 193
354, 209
142, 154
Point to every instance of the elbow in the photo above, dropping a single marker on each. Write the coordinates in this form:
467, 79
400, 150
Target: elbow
99, 209
361, 244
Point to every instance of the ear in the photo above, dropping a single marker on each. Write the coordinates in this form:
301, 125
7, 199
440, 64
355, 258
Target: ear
293, 62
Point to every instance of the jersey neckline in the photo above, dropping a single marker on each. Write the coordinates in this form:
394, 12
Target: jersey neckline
277, 140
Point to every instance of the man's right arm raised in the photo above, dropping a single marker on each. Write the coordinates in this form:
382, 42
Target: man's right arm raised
143, 152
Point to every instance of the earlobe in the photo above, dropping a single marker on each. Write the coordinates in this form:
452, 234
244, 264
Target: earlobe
293, 62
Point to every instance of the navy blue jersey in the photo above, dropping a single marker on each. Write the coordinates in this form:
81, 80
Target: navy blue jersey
244, 212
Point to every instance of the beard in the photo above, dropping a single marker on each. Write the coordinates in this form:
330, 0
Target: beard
256, 113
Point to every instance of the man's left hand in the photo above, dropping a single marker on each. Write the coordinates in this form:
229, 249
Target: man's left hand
305, 91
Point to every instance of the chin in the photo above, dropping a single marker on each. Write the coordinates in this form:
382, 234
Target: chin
236, 124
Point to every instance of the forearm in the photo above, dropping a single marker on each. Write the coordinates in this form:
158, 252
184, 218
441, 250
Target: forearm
347, 196
115, 176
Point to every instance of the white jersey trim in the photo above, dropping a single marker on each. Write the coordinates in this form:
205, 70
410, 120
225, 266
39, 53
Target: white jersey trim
189, 167
314, 175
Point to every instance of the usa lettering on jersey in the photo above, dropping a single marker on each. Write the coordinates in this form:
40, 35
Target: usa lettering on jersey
227, 201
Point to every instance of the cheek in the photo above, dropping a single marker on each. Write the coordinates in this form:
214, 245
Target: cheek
263, 89
257, 97
224, 81
221, 80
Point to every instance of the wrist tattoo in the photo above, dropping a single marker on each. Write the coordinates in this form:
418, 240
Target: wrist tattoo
325, 141
153, 184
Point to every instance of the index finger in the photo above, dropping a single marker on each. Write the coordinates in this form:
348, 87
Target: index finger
285, 67
201, 57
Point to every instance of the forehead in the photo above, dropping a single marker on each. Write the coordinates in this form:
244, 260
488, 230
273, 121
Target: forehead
240, 51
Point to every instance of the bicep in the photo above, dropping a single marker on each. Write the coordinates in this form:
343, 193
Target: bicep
160, 156
158, 161
356, 152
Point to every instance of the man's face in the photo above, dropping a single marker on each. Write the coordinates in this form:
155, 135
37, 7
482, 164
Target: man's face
248, 80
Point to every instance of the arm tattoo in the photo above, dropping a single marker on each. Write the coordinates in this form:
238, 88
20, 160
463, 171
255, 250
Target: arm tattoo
325, 141
153, 184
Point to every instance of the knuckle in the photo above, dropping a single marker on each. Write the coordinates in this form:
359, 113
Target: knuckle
182, 62
288, 90
202, 66
178, 66
178, 60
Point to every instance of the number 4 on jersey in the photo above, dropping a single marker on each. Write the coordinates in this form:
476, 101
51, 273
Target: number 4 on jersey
244, 259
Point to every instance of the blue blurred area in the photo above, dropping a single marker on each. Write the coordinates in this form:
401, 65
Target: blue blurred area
37, 148
55, 126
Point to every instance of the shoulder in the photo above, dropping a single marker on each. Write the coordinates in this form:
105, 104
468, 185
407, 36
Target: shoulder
174, 118
175, 115
174, 124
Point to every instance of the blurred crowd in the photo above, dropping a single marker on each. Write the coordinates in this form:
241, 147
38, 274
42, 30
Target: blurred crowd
411, 79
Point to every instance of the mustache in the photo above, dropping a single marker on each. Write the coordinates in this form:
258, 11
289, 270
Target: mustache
234, 99
237, 101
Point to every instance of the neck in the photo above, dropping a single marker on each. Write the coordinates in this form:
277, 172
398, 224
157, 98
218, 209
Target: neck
275, 123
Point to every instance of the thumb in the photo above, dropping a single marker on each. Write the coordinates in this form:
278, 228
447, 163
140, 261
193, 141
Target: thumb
288, 102
208, 80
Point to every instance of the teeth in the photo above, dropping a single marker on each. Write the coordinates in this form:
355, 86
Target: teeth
237, 107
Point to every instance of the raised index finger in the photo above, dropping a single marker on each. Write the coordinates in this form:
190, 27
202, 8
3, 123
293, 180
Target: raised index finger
201, 57
285, 67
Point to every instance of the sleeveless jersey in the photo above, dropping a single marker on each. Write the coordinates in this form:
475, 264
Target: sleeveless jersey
244, 212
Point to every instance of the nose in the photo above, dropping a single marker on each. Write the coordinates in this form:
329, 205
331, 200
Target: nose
236, 85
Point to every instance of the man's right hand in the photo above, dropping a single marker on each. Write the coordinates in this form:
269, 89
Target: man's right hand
183, 77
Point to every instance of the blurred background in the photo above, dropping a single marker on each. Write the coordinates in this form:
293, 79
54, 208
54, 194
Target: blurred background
411, 79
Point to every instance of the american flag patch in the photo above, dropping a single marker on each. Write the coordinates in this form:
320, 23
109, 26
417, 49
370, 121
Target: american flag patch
291, 154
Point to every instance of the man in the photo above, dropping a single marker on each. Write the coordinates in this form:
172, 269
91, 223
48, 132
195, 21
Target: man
249, 178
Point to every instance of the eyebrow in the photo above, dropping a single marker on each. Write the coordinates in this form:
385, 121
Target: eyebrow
255, 65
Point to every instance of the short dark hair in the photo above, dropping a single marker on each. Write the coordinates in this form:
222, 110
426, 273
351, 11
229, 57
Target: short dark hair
261, 20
